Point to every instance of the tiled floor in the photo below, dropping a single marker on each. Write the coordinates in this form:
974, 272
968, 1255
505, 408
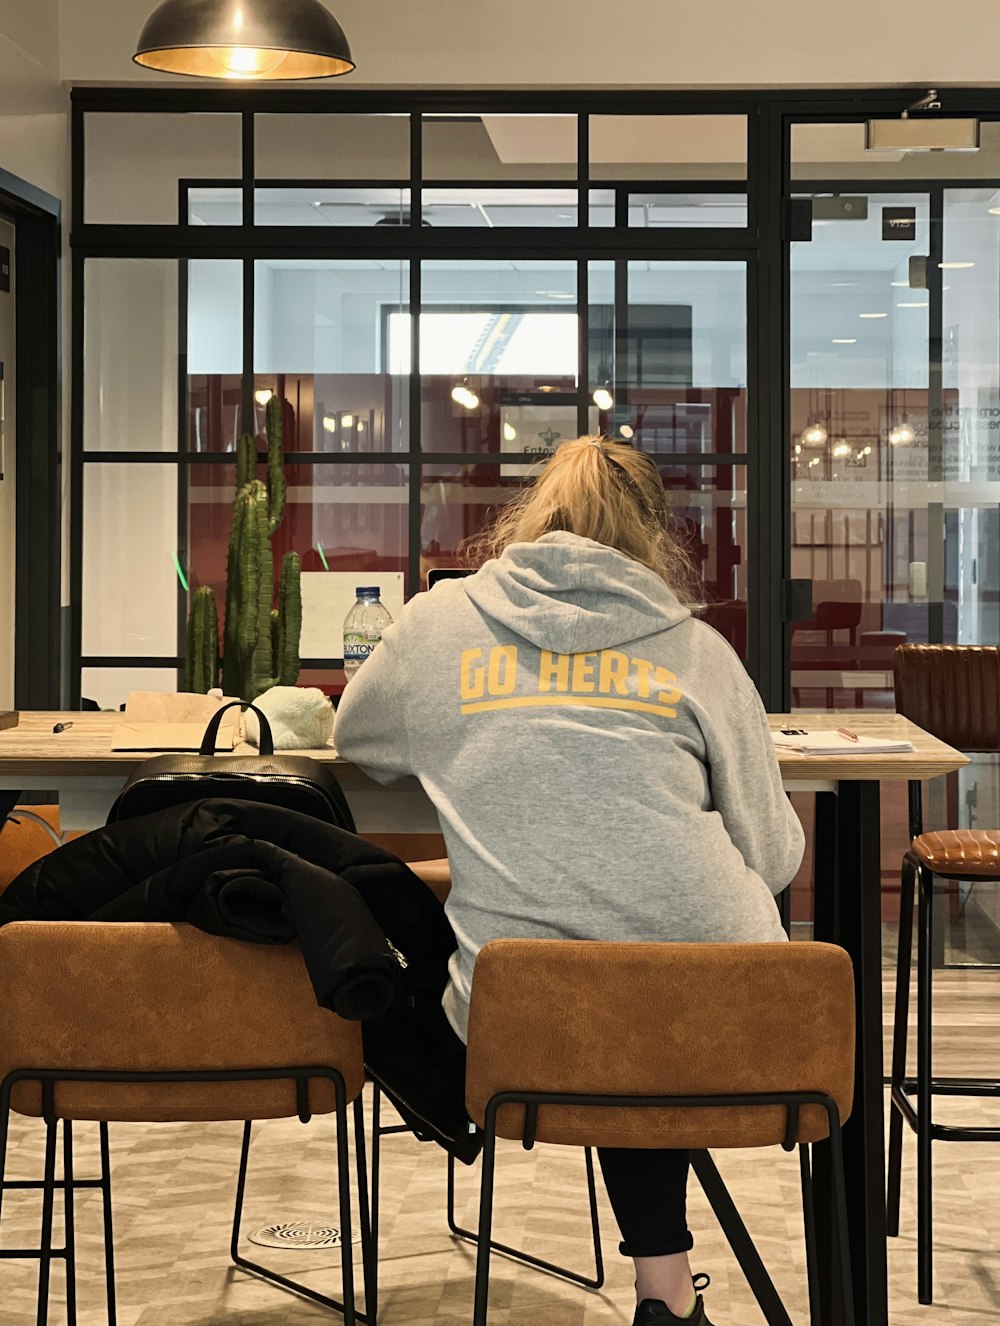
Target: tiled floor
174, 1188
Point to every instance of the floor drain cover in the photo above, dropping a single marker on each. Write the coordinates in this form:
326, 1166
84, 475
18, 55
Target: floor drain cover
301, 1234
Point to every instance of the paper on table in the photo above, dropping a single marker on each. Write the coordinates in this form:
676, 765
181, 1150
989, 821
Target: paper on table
168, 736
829, 742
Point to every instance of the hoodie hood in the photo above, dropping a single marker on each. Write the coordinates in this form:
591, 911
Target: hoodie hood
571, 595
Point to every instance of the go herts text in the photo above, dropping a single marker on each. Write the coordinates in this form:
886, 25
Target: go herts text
606, 679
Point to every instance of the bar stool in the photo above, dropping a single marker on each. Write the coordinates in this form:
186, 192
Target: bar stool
952, 691
698, 1046
436, 874
159, 1023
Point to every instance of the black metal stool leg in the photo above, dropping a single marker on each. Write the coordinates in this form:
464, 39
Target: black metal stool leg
485, 1240
900, 1031
347, 1308
109, 1234
375, 1181
809, 1221
344, 1185
48, 1202
368, 1259
515, 1254
241, 1187
68, 1215
925, 1089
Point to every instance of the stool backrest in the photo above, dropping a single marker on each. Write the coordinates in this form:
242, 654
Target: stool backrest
23, 840
951, 691
149, 997
661, 1020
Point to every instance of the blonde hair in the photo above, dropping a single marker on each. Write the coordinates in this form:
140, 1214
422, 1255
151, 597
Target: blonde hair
603, 490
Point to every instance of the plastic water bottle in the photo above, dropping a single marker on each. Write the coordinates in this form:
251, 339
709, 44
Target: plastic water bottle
363, 627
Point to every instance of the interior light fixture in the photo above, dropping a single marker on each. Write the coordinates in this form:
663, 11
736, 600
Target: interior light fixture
994, 211
902, 434
814, 434
627, 431
798, 449
461, 395
913, 304
900, 285
873, 315
262, 395
926, 133
347, 420
844, 340
954, 266
361, 425
329, 423
244, 39
841, 449
603, 398
509, 432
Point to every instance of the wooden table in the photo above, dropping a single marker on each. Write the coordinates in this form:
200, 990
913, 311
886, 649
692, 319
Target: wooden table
79, 766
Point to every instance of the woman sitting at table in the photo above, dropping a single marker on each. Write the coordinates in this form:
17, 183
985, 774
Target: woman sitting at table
600, 763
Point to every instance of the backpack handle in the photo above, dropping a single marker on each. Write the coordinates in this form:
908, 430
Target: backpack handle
265, 744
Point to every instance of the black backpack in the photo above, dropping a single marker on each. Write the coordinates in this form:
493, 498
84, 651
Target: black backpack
293, 781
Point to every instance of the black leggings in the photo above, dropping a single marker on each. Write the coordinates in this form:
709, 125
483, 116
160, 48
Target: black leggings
648, 1192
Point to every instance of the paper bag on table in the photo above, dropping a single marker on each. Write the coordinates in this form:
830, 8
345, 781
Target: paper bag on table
169, 736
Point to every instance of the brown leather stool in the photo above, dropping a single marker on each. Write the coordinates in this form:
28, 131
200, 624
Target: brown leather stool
27, 833
952, 691
158, 1023
664, 1045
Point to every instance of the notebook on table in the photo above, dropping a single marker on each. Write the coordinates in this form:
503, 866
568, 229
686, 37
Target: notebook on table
830, 742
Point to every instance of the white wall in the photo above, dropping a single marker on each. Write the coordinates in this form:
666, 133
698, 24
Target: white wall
36, 147
584, 43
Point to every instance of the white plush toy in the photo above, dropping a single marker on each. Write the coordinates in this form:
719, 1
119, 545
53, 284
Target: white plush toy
301, 718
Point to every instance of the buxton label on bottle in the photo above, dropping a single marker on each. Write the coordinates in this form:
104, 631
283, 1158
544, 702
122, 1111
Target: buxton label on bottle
358, 645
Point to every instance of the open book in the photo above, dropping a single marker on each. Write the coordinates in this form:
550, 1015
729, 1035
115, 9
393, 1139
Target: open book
827, 741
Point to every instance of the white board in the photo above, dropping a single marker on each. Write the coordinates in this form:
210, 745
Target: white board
327, 598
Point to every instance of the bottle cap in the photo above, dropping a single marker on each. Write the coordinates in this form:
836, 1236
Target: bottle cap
364, 590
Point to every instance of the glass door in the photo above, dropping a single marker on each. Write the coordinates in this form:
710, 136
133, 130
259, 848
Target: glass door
865, 417
894, 441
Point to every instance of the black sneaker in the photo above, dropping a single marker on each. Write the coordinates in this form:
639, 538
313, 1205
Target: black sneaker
654, 1312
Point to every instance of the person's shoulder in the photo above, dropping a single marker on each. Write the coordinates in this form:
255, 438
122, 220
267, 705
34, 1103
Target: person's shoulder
430, 605
715, 649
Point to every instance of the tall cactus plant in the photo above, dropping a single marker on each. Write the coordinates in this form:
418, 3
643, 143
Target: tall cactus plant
260, 642
201, 662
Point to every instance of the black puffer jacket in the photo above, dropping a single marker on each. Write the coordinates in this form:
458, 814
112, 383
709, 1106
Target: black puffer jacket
261, 873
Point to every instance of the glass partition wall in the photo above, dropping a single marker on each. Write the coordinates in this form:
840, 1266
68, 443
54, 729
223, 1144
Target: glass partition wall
440, 288
894, 441
437, 299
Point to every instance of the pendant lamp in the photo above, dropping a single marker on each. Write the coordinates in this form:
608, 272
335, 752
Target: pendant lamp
244, 39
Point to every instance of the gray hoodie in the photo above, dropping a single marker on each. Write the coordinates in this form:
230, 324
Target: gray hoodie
599, 759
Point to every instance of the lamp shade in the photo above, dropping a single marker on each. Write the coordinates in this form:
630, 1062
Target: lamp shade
244, 39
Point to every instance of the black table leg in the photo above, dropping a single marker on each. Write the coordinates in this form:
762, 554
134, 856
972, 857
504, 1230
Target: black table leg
859, 927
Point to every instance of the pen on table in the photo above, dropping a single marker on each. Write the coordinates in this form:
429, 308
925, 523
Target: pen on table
846, 732
61, 727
